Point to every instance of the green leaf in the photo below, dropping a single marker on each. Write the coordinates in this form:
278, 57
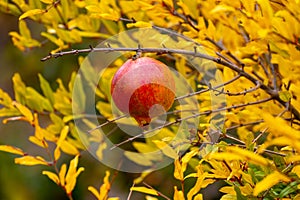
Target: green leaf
69, 9
9, 8
79, 96
19, 88
47, 91
69, 36
111, 26
62, 98
291, 188
35, 4
57, 124
36, 101
239, 194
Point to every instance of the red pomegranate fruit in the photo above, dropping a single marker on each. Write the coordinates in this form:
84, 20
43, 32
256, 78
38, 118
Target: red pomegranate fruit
143, 88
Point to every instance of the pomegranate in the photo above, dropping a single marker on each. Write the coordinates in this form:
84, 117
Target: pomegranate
143, 88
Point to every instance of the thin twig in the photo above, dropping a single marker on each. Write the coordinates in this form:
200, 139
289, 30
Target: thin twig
130, 192
208, 89
259, 135
132, 49
159, 193
244, 92
264, 150
107, 122
274, 74
208, 112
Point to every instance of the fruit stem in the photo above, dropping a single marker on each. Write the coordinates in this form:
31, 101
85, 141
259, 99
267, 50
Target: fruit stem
138, 53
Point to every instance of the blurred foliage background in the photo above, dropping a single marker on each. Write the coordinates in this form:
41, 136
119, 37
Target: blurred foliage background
17, 182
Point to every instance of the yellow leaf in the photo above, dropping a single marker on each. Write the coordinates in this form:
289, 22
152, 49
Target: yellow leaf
198, 185
53, 39
279, 126
47, 1
63, 134
57, 153
37, 141
236, 153
72, 168
139, 24
71, 36
269, 181
187, 157
93, 34
72, 174
189, 7
198, 197
30, 160
221, 8
99, 152
266, 9
62, 174
24, 30
107, 16
24, 110
147, 197
70, 185
178, 171
296, 170
59, 143
93, 8
52, 176
228, 190
94, 191
169, 3
178, 195
228, 197
166, 149
105, 187
141, 177
285, 96
68, 148
11, 149
138, 158
144, 190
144, 147
30, 13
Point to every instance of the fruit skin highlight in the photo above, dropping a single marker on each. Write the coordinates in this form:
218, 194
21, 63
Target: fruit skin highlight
143, 88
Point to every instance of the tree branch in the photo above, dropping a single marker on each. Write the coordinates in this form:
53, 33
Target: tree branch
273, 93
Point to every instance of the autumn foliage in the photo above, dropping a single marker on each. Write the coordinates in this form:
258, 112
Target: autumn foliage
255, 46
